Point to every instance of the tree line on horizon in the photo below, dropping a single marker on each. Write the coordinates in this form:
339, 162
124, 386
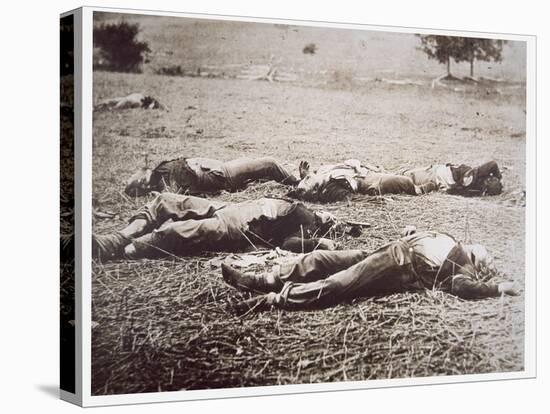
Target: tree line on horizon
120, 50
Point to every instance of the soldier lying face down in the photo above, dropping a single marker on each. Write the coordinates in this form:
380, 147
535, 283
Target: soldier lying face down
419, 260
175, 224
204, 175
336, 182
462, 179
134, 100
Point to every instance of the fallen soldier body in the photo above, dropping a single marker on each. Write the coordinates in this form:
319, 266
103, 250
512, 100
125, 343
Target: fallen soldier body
419, 260
336, 182
459, 179
175, 224
134, 100
204, 175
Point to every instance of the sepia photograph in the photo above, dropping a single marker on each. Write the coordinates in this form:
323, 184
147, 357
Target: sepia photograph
280, 204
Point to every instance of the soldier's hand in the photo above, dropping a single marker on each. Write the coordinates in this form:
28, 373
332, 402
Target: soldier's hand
326, 244
508, 288
304, 169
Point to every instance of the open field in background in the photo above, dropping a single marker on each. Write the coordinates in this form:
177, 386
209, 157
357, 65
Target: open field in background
164, 324
229, 48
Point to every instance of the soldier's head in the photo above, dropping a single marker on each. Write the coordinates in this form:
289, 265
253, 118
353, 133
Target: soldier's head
480, 257
148, 102
491, 186
139, 183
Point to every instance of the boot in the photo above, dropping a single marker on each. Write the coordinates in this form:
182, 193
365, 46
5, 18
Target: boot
244, 281
108, 246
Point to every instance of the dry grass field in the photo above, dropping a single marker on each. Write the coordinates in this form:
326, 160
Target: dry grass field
166, 325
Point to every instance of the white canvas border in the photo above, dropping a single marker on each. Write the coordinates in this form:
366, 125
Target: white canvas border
83, 273
86, 198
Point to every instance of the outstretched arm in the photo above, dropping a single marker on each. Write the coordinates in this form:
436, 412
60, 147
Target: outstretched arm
467, 288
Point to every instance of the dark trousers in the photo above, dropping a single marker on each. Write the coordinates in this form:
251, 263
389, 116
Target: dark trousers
379, 184
325, 278
176, 224
244, 170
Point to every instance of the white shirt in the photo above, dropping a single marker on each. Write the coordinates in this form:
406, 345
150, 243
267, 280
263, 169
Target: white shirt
440, 174
349, 170
431, 246
443, 176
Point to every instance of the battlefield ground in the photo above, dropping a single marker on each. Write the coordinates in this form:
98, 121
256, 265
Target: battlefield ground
249, 90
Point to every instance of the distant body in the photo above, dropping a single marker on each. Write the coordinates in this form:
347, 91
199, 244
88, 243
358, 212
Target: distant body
205, 176
134, 100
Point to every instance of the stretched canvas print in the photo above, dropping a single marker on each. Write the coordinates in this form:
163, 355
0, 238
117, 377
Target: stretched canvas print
254, 206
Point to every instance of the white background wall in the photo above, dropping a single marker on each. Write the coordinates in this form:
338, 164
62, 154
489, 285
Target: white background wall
29, 204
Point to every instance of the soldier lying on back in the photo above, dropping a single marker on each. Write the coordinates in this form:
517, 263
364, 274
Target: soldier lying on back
336, 182
175, 224
204, 175
419, 260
